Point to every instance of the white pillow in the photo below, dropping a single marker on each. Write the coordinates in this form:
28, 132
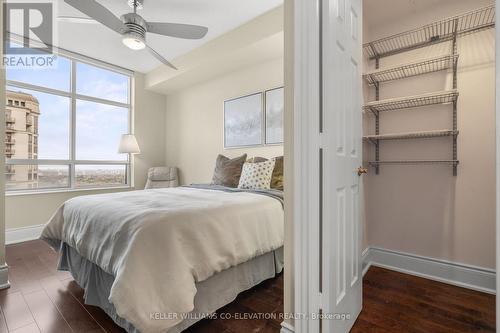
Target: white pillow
257, 175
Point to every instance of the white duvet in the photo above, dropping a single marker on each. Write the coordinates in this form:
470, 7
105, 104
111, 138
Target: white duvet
158, 243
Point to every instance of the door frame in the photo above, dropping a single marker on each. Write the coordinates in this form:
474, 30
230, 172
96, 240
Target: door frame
306, 97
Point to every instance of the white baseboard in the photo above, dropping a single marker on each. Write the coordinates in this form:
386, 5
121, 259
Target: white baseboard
286, 328
461, 275
365, 263
18, 235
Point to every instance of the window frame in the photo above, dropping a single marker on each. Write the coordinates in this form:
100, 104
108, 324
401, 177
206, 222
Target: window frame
73, 96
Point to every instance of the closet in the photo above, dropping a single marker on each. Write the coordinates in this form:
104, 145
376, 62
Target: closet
429, 135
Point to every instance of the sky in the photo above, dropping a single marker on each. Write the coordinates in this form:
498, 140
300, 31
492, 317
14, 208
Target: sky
98, 126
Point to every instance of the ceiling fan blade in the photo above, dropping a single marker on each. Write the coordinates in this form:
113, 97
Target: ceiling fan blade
160, 57
99, 13
76, 19
178, 30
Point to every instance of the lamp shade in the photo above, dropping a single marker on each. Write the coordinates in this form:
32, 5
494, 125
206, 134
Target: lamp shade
128, 145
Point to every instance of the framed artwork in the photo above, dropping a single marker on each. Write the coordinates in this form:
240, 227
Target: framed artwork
274, 115
254, 120
243, 121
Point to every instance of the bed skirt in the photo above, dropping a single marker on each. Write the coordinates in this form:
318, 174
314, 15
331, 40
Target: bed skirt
213, 293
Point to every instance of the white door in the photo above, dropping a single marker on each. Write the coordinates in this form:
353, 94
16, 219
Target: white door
342, 156
327, 132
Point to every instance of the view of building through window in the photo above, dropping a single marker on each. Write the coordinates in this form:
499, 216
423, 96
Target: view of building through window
45, 114
21, 141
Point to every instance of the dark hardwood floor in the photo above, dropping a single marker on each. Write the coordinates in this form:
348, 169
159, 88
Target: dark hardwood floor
396, 302
44, 300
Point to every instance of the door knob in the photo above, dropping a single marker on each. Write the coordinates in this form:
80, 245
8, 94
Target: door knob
362, 170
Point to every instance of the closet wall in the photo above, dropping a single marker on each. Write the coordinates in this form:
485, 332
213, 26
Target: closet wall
424, 209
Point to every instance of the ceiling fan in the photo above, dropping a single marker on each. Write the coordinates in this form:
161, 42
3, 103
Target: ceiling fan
132, 26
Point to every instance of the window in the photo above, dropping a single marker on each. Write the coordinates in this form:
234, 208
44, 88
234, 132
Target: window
96, 82
64, 124
60, 78
99, 125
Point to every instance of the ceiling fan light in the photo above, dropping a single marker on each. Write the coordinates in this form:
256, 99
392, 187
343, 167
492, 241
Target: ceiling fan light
133, 41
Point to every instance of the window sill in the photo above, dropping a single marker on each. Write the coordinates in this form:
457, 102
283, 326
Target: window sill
56, 191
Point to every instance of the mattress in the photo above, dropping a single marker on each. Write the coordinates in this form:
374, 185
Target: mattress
212, 294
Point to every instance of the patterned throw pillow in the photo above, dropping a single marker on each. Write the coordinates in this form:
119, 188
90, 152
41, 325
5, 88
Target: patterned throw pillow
228, 171
257, 175
277, 179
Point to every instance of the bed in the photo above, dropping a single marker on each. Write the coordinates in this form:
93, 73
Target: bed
160, 260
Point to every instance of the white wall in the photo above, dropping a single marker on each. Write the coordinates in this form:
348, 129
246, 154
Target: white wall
194, 122
149, 127
149, 119
425, 210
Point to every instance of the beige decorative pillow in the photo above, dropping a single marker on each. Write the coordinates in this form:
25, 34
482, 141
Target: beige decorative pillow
228, 171
277, 179
256, 159
257, 175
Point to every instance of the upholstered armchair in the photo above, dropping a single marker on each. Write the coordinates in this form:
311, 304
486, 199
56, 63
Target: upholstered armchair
162, 177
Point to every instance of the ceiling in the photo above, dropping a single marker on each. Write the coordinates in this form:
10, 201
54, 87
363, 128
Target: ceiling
255, 42
99, 42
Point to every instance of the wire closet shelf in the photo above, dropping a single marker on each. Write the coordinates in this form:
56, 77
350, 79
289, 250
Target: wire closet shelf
418, 68
443, 97
411, 135
437, 32
410, 162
